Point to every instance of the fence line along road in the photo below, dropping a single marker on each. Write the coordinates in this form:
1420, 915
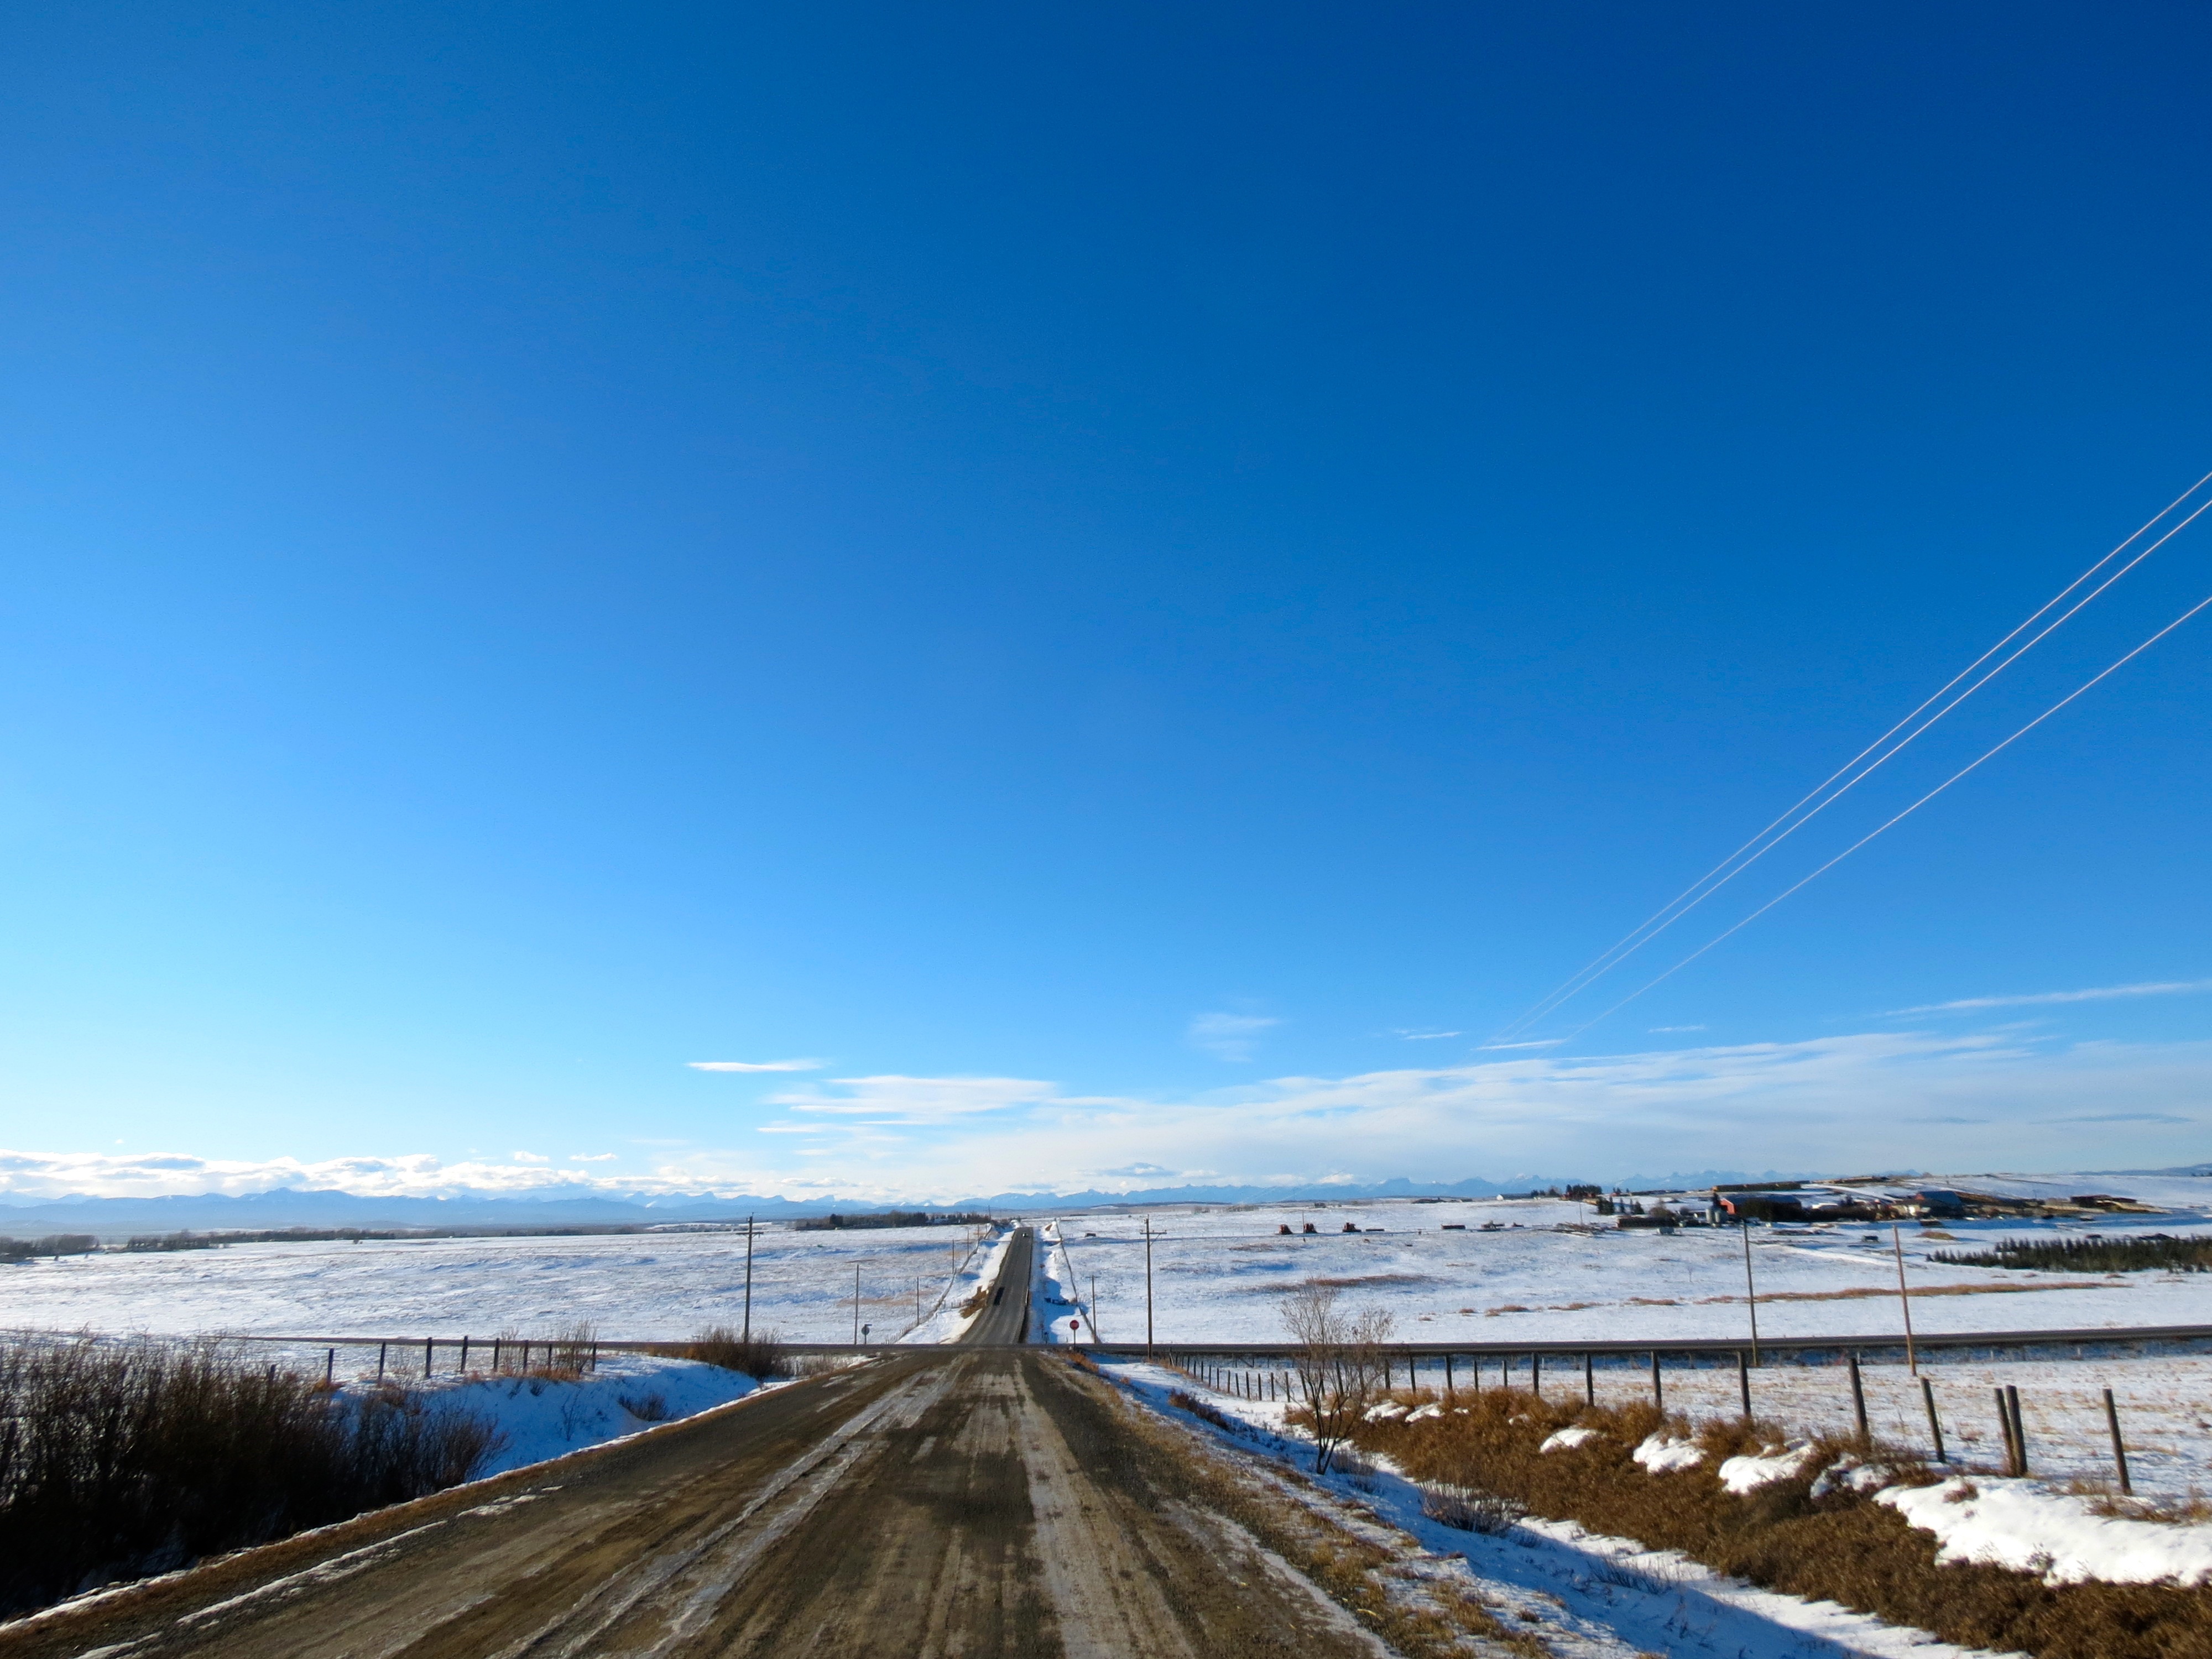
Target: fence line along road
1801, 1347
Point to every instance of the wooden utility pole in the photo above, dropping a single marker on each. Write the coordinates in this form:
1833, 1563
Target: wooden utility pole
1750, 1293
1903, 1297
748, 1279
1148, 1287
856, 1304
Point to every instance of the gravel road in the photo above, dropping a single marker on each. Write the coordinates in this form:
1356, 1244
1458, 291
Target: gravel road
982, 1500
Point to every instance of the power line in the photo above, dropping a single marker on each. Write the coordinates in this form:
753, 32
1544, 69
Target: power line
1901, 817
1829, 791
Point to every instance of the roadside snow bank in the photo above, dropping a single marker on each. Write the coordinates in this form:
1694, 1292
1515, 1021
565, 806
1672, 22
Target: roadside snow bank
544, 1416
2030, 1529
1057, 1307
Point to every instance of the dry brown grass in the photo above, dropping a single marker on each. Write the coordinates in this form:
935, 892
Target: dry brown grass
122, 1459
762, 1355
1842, 1548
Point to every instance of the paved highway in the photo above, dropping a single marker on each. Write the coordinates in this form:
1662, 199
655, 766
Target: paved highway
998, 1502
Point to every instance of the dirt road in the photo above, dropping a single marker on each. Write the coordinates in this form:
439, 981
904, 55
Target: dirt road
977, 1501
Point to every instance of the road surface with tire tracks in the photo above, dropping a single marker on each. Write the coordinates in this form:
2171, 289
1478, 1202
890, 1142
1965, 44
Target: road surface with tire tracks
991, 1499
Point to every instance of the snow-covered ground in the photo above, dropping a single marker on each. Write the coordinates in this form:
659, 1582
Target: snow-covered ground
1498, 1271
628, 1287
628, 1394
1501, 1271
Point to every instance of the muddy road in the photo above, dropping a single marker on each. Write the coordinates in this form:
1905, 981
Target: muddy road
979, 1500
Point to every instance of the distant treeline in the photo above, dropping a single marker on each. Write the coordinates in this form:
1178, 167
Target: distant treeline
890, 1219
192, 1241
2090, 1255
26, 1249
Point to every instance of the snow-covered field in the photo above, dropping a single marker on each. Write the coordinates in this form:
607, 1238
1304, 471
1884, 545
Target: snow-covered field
628, 1287
1498, 1271
1550, 1271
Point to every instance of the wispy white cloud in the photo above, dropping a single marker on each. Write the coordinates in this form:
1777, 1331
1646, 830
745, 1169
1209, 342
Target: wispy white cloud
896, 1099
592, 1157
1229, 1037
755, 1065
529, 1157
1657, 1030
1426, 1036
2100, 993
1499, 1048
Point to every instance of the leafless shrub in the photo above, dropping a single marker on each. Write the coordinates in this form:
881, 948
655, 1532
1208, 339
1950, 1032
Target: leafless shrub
1469, 1510
563, 1357
760, 1355
122, 1458
651, 1407
1337, 1364
1205, 1411
820, 1365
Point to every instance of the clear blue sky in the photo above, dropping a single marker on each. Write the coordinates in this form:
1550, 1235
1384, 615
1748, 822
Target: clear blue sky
546, 545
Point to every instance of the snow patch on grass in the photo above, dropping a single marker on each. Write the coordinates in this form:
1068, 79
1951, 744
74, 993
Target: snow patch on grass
1743, 1474
2024, 1526
1661, 1453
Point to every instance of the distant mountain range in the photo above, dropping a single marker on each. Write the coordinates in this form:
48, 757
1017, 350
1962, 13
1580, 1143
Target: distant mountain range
290, 1207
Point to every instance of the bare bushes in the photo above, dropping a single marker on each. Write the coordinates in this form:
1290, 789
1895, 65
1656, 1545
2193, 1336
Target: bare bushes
120, 1459
651, 1406
1205, 1412
1338, 1363
1826, 1540
563, 1357
1469, 1508
762, 1355
398, 1445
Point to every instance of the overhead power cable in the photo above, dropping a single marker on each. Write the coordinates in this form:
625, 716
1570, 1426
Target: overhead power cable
1859, 766
1955, 777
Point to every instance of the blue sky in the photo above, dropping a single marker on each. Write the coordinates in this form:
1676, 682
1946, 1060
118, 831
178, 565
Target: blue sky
1107, 576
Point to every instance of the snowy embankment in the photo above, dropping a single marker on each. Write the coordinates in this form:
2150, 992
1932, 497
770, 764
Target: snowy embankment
2024, 1525
1058, 1312
950, 1319
542, 1416
1584, 1595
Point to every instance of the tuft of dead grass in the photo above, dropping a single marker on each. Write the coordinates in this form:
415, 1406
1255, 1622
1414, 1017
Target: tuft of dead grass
760, 1355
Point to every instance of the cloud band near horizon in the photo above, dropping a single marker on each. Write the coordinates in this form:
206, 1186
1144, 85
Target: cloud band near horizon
1850, 1103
